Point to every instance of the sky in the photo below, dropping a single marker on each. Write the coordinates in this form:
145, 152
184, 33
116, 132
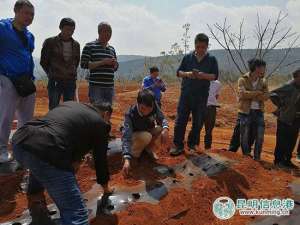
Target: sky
148, 27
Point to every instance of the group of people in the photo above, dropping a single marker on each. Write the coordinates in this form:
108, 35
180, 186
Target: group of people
52, 147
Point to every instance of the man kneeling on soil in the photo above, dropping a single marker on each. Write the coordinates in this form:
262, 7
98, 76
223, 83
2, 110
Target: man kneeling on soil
53, 147
140, 132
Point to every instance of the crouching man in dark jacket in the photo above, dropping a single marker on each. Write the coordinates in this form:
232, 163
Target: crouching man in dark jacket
145, 129
52, 148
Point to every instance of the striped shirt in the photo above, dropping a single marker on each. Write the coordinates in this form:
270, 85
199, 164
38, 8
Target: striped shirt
101, 76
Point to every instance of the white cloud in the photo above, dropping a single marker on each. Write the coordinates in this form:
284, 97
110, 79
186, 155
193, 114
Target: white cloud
293, 8
207, 13
136, 30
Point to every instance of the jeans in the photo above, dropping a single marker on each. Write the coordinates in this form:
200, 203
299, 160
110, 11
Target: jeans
187, 104
12, 104
99, 94
252, 123
210, 121
159, 103
60, 184
56, 89
286, 139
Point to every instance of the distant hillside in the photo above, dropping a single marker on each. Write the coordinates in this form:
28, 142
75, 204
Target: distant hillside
126, 58
136, 66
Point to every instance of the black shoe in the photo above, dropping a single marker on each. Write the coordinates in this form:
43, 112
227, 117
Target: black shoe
207, 148
111, 137
247, 154
291, 165
41, 216
176, 151
281, 165
192, 148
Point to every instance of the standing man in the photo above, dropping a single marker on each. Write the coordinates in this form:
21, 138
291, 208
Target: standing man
16, 67
211, 112
197, 69
101, 60
154, 83
298, 152
252, 93
53, 147
287, 99
60, 58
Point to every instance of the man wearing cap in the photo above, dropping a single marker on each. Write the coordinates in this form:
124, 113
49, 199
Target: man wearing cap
60, 58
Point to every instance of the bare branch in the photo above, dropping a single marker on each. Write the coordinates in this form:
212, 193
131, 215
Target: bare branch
224, 45
238, 50
288, 50
274, 30
291, 63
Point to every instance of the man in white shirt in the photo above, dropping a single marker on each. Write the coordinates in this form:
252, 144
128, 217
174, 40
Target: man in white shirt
210, 117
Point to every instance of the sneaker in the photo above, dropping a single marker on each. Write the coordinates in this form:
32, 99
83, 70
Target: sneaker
176, 151
298, 158
5, 157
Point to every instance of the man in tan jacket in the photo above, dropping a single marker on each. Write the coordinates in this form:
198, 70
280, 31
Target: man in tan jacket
253, 92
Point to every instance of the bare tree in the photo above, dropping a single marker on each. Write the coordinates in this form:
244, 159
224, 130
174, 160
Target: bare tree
186, 37
170, 59
268, 36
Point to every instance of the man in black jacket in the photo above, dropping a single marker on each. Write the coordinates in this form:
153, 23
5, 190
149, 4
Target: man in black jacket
52, 148
287, 100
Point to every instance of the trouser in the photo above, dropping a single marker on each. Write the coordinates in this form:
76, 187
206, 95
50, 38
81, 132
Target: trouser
12, 104
252, 123
61, 185
235, 141
144, 140
187, 104
209, 123
56, 89
286, 139
298, 149
99, 94
159, 103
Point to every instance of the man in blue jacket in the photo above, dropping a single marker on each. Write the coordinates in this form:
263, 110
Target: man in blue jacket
16, 46
154, 83
197, 69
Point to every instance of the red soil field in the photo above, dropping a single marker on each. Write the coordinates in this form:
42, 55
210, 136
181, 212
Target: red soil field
246, 179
